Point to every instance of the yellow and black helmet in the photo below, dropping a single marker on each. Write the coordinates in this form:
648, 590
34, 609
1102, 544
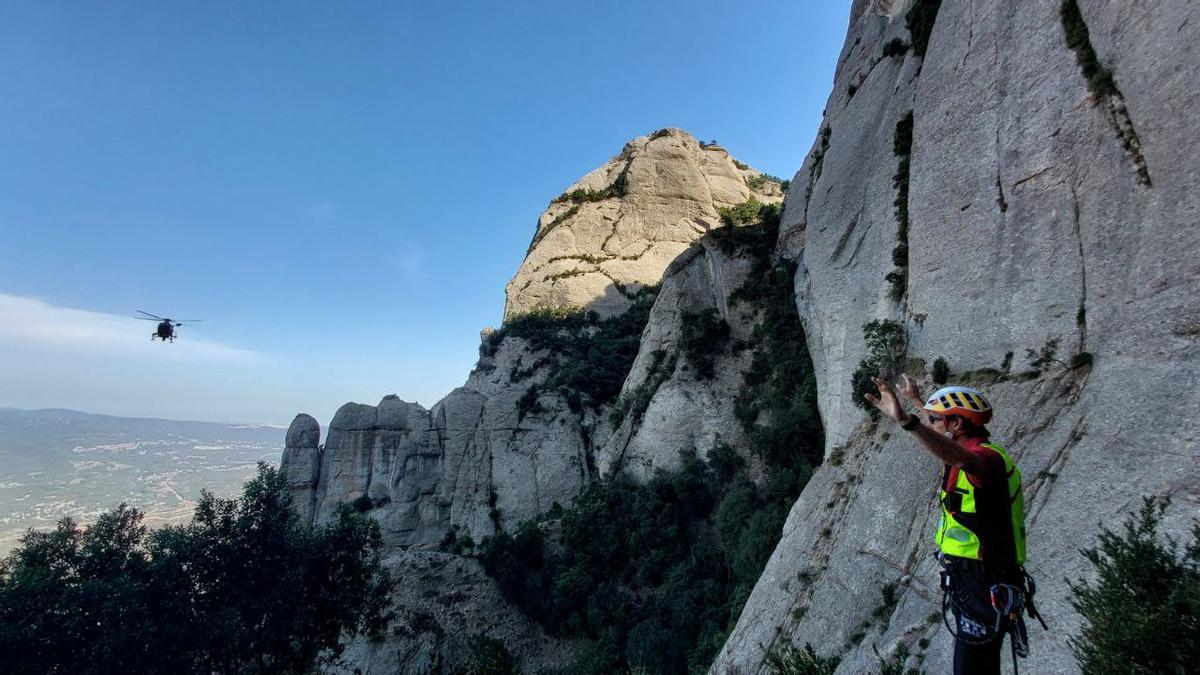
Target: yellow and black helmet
962, 401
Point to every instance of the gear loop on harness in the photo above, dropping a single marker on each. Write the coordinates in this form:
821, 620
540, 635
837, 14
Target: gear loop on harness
974, 624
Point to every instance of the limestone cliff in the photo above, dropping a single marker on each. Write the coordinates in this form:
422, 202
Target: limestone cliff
1023, 206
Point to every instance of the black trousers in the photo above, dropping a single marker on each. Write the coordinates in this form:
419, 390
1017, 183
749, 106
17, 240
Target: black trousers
981, 659
970, 584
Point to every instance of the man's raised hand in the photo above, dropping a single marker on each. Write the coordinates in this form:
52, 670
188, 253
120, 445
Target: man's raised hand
910, 390
886, 402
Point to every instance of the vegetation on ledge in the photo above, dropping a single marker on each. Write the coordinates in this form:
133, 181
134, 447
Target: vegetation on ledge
588, 357
652, 575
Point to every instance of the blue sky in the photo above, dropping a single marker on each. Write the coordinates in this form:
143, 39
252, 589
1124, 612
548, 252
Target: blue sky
339, 190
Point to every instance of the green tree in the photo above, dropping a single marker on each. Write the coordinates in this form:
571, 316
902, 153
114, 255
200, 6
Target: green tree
1142, 612
245, 587
488, 657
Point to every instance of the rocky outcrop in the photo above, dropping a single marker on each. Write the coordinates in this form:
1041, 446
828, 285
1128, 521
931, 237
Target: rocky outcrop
1029, 221
673, 405
513, 441
442, 603
619, 227
1033, 223
301, 463
473, 464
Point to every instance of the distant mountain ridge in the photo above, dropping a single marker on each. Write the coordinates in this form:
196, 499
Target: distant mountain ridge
58, 462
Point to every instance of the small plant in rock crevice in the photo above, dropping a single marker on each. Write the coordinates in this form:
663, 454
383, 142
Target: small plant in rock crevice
1100, 79
814, 169
895, 47
1041, 359
786, 659
941, 371
902, 148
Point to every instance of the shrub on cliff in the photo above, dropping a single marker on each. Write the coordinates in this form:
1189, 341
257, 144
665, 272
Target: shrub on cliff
588, 357
1142, 611
885, 348
919, 20
244, 587
785, 659
703, 336
652, 575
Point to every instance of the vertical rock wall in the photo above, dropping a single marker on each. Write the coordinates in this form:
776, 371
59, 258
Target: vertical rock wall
1042, 213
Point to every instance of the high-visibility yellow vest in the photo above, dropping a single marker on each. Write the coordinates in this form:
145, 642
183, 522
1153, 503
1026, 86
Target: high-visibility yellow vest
957, 532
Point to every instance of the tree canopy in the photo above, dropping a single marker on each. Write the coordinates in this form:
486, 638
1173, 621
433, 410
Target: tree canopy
245, 587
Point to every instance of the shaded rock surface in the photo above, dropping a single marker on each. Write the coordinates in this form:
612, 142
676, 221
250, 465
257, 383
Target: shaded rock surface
1032, 225
444, 602
685, 409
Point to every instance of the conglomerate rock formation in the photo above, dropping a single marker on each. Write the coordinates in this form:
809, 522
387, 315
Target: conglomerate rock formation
506, 446
1031, 221
619, 227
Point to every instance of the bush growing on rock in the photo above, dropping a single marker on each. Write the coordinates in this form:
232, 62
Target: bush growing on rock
894, 47
1142, 612
885, 349
704, 336
785, 659
919, 20
588, 357
941, 371
1100, 79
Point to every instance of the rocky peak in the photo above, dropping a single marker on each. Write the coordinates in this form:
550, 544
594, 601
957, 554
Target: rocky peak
618, 227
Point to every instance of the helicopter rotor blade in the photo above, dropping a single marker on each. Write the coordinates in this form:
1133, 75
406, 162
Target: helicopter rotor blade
142, 318
156, 318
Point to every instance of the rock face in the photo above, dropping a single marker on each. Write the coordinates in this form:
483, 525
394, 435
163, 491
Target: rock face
301, 463
486, 457
443, 602
685, 409
1042, 214
619, 227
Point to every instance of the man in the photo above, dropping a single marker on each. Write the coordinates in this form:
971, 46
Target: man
981, 534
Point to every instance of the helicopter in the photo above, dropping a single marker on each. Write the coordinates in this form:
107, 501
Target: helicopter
166, 327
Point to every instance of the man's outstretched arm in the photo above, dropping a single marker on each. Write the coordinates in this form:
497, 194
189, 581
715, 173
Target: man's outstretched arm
943, 448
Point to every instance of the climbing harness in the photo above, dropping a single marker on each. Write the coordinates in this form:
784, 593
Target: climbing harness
976, 623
